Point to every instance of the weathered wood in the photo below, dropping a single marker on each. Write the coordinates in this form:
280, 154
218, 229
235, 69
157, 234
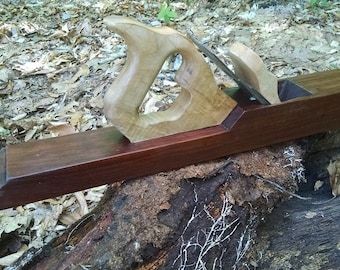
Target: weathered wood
250, 67
300, 235
47, 168
200, 104
304, 234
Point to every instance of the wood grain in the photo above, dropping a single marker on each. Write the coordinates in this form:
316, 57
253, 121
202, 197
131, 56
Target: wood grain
51, 167
200, 103
250, 68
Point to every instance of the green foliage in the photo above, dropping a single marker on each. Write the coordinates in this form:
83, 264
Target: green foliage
4, 132
166, 14
334, 66
318, 3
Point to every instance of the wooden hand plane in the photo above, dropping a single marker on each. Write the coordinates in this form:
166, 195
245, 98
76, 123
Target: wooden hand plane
204, 123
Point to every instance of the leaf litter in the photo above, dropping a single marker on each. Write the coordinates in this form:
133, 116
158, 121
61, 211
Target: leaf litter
57, 61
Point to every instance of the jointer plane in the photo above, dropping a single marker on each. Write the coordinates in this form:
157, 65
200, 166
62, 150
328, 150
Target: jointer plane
204, 122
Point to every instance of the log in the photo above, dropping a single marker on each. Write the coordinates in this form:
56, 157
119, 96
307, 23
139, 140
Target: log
163, 221
300, 235
203, 215
304, 234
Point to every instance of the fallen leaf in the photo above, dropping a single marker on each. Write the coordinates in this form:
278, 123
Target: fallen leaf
10, 224
76, 119
83, 209
165, 206
310, 214
29, 135
334, 177
318, 184
83, 71
61, 130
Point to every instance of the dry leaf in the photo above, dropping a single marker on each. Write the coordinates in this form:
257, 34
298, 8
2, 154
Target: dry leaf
310, 214
318, 184
83, 210
83, 71
76, 119
19, 116
97, 102
334, 177
29, 135
68, 218
61, 130
94, 196
9, 224
165, 206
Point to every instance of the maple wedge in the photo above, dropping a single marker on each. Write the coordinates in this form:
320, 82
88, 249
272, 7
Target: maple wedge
250, 68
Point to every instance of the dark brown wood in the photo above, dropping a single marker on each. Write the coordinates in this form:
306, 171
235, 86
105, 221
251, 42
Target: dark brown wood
2, 167
52, 167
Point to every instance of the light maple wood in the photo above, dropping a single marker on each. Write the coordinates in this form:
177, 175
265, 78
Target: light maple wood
250, 68
200, 104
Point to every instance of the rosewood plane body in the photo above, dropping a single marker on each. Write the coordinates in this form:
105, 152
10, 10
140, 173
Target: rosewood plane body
46, 168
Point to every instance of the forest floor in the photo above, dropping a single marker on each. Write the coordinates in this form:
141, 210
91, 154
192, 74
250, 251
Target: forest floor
57, 61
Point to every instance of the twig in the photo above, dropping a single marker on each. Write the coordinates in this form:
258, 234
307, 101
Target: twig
76, 227
280, 188
205, 240
326, 201
220, 169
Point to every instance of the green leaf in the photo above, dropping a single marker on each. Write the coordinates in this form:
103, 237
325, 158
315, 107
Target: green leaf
166, 14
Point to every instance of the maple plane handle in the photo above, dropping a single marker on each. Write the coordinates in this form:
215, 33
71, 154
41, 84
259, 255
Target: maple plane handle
200, 103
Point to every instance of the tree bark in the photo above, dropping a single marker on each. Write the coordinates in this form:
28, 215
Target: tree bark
304, 234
